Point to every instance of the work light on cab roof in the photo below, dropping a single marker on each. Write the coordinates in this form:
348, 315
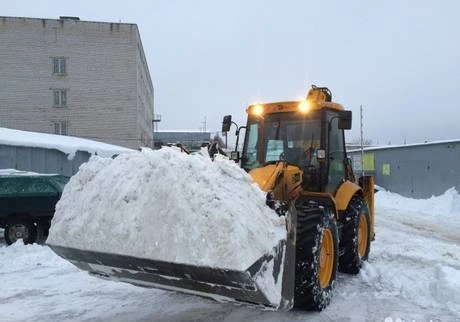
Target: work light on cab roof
258, 109
304, 107
317, 98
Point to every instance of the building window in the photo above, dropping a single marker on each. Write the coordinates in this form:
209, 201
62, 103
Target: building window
61, 127
60, 97
59, 66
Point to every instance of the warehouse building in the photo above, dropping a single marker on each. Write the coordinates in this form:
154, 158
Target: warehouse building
412, 170
80, 78
191, 140
49, 153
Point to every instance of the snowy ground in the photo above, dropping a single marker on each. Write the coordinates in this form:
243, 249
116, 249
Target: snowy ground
413, 274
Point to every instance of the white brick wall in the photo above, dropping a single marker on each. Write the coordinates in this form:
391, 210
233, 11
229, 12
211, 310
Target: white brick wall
109, 90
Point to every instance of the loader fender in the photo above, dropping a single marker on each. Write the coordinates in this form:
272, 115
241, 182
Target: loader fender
322, 198
344, 194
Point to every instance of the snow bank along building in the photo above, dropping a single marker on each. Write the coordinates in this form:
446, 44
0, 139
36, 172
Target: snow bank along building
80, 78
412, 170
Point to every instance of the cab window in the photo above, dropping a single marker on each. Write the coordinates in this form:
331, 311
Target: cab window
336, 165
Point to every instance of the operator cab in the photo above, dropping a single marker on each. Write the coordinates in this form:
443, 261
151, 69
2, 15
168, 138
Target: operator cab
288, 137
308, 134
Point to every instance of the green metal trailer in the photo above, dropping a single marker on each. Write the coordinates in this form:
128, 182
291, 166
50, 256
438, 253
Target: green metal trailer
27, 205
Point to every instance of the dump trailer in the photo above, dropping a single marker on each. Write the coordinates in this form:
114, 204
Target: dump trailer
295, 152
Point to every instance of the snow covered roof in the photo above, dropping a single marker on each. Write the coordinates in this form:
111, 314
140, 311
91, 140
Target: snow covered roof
67, 144
382, 147
14, 172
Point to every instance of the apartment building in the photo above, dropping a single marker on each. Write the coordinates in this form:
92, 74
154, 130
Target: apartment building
72, 77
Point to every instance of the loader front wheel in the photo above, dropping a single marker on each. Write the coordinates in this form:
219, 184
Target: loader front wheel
316, 257
356, 241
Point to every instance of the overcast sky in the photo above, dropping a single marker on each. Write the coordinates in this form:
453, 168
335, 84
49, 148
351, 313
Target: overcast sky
399, 59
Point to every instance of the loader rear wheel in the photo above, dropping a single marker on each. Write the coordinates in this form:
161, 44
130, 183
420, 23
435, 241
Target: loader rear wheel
316, 257
355, 242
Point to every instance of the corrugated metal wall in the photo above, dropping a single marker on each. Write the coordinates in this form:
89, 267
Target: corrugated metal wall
417, 171
40, 160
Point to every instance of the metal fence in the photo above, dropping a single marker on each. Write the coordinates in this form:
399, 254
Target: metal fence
40, 160
416, 170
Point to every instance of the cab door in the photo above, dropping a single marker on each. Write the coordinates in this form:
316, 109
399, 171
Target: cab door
336, 155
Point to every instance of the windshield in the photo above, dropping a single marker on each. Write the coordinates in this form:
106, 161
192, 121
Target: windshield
282, 137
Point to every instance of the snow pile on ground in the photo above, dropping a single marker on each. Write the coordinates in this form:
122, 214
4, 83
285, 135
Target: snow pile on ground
170, 206
416, 254
445, 205
440, 214
67, 144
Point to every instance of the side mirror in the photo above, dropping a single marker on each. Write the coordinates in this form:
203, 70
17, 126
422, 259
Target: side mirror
344, 120
235, 156
321, 154
226, 123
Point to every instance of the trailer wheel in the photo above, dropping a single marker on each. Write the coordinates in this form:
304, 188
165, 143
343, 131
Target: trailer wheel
20, 227
356, 241
316, 256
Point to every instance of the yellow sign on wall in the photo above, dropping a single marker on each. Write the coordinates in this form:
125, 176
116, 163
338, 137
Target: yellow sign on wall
386, 169
368, 162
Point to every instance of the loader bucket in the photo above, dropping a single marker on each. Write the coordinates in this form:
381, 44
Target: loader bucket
220, 284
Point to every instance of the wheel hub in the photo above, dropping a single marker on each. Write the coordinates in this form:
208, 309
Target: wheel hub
326, 258
362, 236
18, 232
322, 257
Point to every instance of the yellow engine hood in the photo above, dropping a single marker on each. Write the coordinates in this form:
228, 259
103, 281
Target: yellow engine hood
276, 176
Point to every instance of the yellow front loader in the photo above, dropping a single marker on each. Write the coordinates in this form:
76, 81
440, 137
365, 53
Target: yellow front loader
295, 152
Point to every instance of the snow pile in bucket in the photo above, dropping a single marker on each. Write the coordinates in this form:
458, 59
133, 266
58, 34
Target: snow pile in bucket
169, 206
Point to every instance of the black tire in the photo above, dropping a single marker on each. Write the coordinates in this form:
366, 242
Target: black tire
312, 223
43, 227
351, 259
20, 227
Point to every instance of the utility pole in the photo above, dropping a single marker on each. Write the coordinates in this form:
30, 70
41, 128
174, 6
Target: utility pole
362, 141
156, 120
204, 124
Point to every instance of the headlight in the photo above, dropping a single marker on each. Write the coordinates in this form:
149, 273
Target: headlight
304, 107
258, 109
